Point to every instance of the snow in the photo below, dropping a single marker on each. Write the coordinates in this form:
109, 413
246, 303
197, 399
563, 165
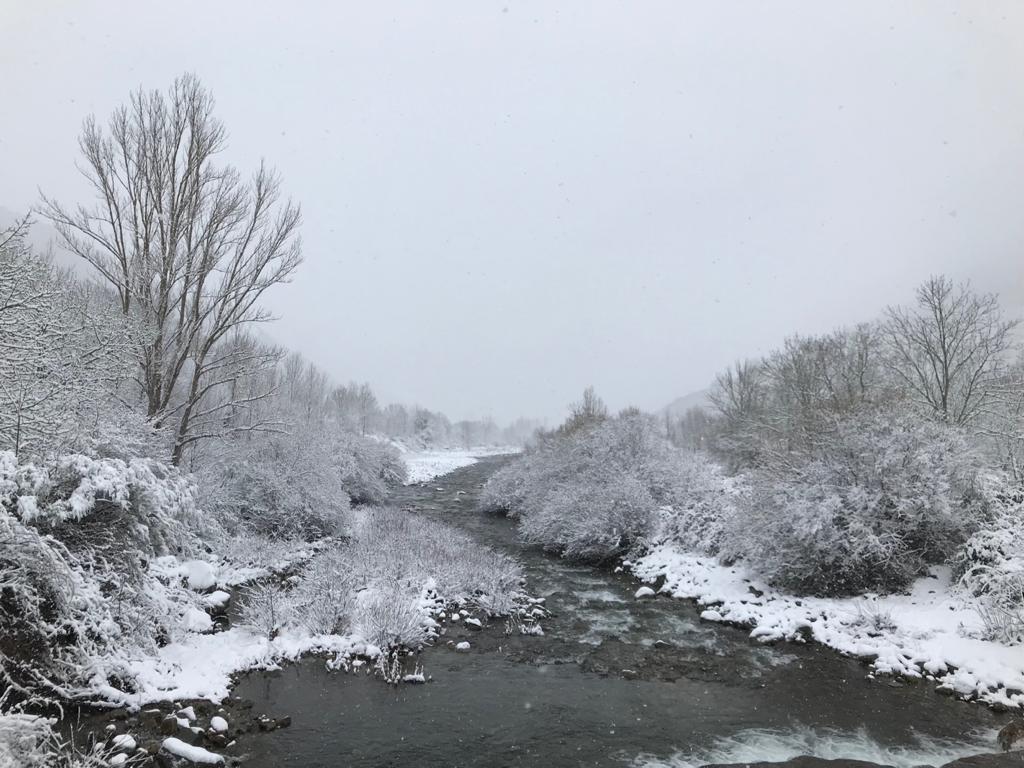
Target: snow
932, 632
195, 754
201, 666
217, 599
426, 465
125, 742
463, 646
199, 574
644, 592
218, 724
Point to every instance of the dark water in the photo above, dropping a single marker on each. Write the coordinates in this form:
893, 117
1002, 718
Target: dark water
597, 689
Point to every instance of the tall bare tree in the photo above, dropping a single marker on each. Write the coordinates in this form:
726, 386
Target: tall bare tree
188, 245
948, 349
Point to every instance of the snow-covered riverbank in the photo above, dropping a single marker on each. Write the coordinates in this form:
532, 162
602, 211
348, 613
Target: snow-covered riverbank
931, 633
426, 465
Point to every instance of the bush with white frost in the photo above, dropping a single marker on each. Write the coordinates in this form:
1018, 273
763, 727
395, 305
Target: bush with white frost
592, 492
29, 741
299, 485
76, 537
991, 568
704, 502
870, 511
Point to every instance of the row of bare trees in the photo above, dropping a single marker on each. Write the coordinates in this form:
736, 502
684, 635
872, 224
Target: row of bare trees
949, 357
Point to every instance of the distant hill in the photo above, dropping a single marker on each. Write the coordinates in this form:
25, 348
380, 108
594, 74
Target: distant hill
44, 239
681, 405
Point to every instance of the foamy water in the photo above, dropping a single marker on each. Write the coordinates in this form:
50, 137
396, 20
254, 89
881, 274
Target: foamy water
775, 745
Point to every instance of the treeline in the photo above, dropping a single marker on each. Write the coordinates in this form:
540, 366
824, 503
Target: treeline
837, 464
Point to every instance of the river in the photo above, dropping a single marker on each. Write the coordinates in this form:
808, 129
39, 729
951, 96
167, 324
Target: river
614, 681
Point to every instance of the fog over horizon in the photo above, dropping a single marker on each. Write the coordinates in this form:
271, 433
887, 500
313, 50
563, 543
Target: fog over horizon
506, 202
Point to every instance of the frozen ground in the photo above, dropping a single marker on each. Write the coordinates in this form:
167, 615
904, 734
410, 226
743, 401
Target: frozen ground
932, 632
426, 465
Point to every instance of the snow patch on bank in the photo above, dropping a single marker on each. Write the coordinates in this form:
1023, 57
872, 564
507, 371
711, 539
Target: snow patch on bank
200, 666
426, 465
932, 632
757, 745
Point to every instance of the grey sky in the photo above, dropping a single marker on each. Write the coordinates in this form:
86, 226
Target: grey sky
505, 202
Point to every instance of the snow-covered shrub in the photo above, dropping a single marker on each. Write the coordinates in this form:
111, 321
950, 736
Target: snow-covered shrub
991, 567
369, 468
601, 515
265, 608
280, 486
298, 485
591, 492
703, 503
384, 581
76, 539
325, 599
885, 498
411, 554
391, 619
29, 741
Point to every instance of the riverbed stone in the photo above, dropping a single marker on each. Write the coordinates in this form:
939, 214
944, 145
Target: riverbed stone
1013, 759
804, 761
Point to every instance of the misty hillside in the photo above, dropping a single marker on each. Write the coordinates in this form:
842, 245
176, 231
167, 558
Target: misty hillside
681, 405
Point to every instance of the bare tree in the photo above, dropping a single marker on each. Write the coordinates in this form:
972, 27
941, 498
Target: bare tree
948, 349
189, 247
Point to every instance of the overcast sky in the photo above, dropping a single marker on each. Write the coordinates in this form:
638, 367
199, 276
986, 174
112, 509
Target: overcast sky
504, 202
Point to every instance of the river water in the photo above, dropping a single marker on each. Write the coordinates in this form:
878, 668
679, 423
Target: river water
614, 681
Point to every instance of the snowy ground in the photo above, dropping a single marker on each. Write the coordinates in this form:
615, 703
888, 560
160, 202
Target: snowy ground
931, 632
426, 465
200, 666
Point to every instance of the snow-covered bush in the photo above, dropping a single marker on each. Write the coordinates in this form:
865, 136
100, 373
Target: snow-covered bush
280, 486
265, 608
29, 741
888, 496
369, 468
63, 349
591, 492
703, 503
76, 539
325, 597
298, 485
391, 619
991, 567
397, 551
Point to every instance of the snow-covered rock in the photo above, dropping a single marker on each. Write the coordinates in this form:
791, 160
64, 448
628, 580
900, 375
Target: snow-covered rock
198, 755
218, 724
217, 599
644, 592
199, 574
463, 646
124, 742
